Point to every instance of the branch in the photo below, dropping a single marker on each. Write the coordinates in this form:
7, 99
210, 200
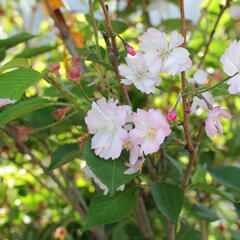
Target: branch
186, 123
65, 33
113, 50
222, 10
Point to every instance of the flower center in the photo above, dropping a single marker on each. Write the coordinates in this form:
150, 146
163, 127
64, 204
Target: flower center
151, 133
163, 53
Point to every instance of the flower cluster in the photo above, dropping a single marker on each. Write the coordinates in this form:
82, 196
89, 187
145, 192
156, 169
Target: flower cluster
116, 127
157, 54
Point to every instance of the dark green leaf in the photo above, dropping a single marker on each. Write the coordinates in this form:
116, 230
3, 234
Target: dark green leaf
110, 172
13, 84
228, 176
32, 52
16, 39
20, 109
235, 234
16, 63
118, 26
63, 155
168, 198
188, 233
111, 209
204, 212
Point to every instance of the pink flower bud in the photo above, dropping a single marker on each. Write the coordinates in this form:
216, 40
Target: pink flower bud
75, 60
23, 133
54, 68
130, 49
60, 113
172, 116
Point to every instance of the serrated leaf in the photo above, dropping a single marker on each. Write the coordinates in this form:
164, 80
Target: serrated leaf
63, 155
16, 63
109, 172
111, 209
13, 84
204, 212
32, 52
22, 108
228, 176
168, 198
16, 39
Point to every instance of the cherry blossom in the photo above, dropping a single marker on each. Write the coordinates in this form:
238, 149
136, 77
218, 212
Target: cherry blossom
106, 120
200, 103
151, 128
231, 65
136, 72
213, 124
199, 77
163, 55
4, 102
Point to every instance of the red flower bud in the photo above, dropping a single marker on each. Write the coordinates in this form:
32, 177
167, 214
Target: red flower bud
23, 133
172, 116
60, 113
130, 49
54, 68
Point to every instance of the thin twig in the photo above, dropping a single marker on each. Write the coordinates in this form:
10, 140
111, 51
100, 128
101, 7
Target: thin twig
222, 10
113, 50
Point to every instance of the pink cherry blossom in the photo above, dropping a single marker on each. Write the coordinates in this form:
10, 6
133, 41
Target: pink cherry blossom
199, 77
151, 128
106, 120
54, 68
163, 55
23, 133
5, 102
213, 123
172, 116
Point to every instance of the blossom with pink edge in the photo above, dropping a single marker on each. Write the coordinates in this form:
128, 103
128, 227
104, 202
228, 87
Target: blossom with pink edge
231, 65
163, 55
106, 120
136, 72
213, 123
151, 128
5, 102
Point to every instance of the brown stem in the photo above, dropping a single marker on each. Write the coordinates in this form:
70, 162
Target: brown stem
143, 220
204, 230
171, 230
113, 50
186, 123
65, 33
222, 10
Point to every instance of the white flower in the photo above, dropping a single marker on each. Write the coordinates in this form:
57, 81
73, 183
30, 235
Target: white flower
4, 102
200, 103
231, 65
136, 72
102, 186
235, 11
106, 120
163, 55
199, 77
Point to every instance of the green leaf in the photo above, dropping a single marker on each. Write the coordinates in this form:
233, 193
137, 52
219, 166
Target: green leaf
199, 175
118, 26
228, 176
204, 212
109, 172
20, 109
2, 53
111, 209
168, 198
119, 233
235, 234
188, 233
32, 52
212, 190
16, 63
63, 155
16, 39
13, 84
